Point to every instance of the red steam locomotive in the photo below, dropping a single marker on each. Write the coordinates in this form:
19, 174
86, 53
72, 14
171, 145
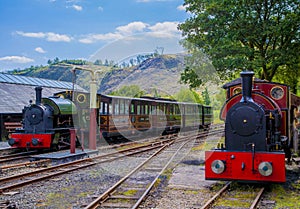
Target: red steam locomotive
258, 132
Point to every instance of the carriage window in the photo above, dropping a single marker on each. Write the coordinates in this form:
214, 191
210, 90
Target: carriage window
146, 109
122, 107
116, 108
142, 109
172, 109
177, 110
160, 109
153, 110
190, 109
126, 107
106, 108
138, 111
200, 109
103, 108
110, 108
132, 108
167, 109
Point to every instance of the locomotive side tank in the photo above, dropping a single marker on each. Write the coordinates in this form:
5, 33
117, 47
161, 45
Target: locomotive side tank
46, 124
254, 145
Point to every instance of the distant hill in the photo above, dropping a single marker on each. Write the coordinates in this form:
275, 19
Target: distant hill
161, 73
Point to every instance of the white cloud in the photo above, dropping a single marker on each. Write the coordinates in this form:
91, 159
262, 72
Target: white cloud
167, 29
162, 30
57, 37
181, 8
132, 28
50, 36
31, 35
40, 50
100, 8
16, 59
91, 38
77, 7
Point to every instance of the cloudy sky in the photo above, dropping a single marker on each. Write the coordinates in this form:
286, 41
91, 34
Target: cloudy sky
34, 31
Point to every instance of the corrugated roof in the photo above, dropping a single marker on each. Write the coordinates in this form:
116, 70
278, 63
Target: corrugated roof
16, 91
17, 79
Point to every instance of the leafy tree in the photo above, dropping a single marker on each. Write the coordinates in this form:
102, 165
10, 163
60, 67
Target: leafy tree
258, 35
129, 91
199, 69
205, 96
289, 75
187, 95
55, 61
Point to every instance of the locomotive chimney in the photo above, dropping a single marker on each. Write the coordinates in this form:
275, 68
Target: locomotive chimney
38, 95
247, 85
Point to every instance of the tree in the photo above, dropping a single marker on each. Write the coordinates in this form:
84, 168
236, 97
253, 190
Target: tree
198, 68
205, 96
187, 95
129, 91
98, 62
258, 35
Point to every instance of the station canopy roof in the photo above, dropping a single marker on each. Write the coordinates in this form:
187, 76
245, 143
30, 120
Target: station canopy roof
16, 91
16, 79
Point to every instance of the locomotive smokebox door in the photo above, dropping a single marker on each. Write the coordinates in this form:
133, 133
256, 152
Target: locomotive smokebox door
245, 125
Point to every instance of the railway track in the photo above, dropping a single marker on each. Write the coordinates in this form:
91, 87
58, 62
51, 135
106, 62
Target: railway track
24, 159
15, 181
242, 197
12, 182
132, 189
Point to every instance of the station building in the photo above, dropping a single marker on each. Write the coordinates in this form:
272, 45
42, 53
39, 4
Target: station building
16, 92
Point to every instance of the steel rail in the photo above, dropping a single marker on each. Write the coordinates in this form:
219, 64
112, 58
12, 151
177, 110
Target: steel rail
256, 201
216, 196
16, 154
106, 194
156, 178
23, 164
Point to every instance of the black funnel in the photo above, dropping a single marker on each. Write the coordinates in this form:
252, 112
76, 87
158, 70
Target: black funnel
247, 85
38, 93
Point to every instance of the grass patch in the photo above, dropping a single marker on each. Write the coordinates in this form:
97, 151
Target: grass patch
191, 192
199, 147
284, 198
240, 196
57, 200
130, 192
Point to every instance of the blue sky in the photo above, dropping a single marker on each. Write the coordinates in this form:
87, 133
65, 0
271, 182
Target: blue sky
34, 31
